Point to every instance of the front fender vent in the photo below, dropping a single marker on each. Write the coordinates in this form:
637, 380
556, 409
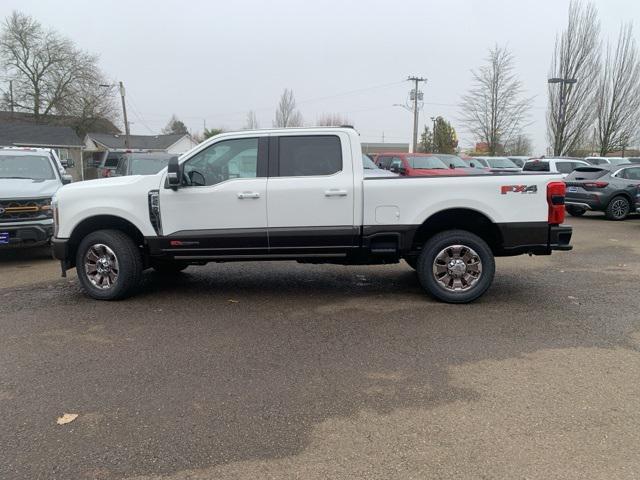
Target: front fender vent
154, 211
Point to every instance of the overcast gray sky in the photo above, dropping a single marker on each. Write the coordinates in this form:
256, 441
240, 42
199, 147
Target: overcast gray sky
213, 61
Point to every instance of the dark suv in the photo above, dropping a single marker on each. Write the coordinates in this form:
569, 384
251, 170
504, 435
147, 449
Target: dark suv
606, 188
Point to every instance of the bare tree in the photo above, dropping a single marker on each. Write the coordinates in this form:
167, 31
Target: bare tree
618, 95
50, 75
252, 121
576, 57
519, 145
286, 115
494, 109
332, 120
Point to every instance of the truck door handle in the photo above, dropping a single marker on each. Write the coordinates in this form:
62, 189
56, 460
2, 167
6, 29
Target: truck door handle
335, 193
243, 195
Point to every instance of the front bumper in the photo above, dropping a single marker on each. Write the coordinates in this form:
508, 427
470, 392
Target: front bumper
27, 234
60, 248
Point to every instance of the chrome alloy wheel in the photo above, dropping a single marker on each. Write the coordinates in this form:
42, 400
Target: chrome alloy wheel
101, 266
620, 208
457, 268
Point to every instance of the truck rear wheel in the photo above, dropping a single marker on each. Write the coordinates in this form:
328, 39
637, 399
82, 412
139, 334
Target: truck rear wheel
456, 266
109, 265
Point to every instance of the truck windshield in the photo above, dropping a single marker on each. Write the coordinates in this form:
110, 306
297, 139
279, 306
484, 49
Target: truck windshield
501, 162
148, 165
432, 163
35, 167
368, 164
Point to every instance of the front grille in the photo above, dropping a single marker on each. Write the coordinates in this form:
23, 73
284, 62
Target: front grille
25, 210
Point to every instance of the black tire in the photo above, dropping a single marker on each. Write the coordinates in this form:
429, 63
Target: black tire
127, 259
575, 211
167, 267
482, 254
412, 262
618, 208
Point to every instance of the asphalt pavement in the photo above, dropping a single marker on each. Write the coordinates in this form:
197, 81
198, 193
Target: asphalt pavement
281, 370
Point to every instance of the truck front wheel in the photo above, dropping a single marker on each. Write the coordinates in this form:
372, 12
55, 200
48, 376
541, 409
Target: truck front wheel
109, 265
456, 266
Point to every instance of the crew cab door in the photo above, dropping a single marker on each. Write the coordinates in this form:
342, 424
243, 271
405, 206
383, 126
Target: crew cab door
222, 208
310, 194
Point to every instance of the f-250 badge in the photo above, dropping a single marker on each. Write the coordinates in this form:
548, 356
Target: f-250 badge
504, 189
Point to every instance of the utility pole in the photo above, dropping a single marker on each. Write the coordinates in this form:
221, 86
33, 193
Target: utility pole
433, 136
416, 95
127, 144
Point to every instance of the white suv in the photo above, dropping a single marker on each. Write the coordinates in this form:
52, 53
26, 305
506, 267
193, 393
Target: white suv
563, 166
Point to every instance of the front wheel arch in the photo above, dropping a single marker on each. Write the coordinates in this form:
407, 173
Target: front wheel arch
100, 222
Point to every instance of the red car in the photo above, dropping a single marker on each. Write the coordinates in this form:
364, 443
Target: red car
417, 165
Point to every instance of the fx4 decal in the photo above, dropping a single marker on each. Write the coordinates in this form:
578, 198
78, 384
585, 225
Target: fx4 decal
504, 189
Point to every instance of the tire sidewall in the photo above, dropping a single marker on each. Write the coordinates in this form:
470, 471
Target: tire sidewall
609, 212
438, 243
129, 266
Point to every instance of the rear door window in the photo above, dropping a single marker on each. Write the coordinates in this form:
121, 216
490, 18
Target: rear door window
314, 155
631, 173
565, 167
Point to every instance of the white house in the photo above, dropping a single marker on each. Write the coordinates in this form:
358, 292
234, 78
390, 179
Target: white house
172, 143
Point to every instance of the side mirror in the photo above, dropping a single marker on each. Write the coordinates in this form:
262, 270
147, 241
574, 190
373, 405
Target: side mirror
174, 173
67, 179
452, 166
472, 165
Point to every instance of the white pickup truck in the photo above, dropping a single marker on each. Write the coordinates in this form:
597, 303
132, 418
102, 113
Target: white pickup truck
301, 194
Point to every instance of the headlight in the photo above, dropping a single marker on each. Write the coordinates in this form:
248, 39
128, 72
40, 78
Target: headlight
46, 208
54, 212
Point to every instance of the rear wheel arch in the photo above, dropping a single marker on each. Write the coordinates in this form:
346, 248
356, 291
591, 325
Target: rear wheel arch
458, 219
101, 222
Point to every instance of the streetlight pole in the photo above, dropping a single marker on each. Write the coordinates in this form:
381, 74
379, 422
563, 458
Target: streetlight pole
433, 135
557, 147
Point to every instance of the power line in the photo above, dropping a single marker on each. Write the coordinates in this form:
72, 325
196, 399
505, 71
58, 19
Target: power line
138, 114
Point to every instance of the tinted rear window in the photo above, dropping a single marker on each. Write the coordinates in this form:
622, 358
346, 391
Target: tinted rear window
302, 156
536, 166
586, 173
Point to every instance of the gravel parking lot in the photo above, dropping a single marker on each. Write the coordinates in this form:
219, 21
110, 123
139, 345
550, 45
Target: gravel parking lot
280, 370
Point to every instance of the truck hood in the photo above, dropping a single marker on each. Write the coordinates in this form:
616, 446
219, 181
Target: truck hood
27, 188
108, 187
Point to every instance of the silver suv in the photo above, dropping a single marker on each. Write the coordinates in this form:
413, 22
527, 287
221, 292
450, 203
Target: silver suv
29, 177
